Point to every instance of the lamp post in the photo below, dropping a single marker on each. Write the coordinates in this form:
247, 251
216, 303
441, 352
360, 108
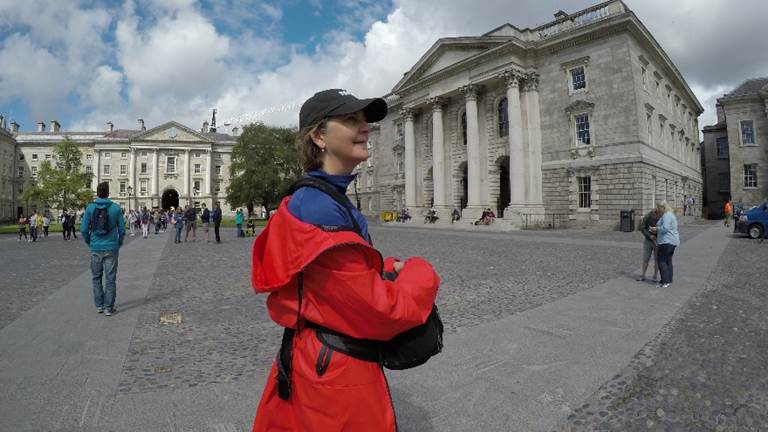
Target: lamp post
357, 198
130, 192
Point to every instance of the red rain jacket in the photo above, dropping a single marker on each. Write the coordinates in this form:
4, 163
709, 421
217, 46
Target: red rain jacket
343, 291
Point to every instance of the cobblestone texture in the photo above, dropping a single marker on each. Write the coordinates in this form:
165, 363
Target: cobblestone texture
707, 370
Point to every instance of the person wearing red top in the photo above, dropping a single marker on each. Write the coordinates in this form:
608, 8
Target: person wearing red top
321, 274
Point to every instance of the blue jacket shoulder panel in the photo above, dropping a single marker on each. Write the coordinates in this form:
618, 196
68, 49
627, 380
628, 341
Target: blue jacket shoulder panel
114, 239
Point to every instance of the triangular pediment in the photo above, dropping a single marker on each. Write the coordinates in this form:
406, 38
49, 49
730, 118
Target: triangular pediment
447, 52
171, 131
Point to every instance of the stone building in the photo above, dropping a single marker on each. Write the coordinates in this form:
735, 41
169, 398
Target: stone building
578, 118
169, 165
716, 167
7, 170
745, 112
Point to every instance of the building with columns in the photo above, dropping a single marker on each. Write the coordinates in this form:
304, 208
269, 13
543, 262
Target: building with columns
580, 118
165, 166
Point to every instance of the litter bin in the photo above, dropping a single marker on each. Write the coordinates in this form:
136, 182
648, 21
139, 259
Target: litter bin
627, 221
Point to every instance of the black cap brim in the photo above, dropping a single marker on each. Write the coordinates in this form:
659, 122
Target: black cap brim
374, 109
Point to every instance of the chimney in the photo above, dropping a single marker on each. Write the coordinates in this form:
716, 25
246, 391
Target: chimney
2, 122
141, 125
55, 126
41, 126
14, 126
110, 126
234, 131
205, 127
720, 113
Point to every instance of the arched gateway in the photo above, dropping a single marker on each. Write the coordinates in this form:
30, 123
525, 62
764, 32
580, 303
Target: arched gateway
170, 199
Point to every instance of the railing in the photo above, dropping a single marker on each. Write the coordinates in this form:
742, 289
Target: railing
587, 16
546, 221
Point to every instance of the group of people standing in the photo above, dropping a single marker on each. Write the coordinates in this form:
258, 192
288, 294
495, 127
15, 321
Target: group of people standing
659, 229
39, 224
182, 219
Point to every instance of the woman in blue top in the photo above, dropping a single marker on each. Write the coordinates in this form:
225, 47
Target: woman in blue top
667, 239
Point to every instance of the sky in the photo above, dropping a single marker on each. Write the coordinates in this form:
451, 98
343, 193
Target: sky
88, 62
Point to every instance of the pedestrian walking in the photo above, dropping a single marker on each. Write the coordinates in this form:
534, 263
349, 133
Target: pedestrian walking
178, 223
239, 222
145, 218
205, 219
72, 223
216, 218
23, 222
727, 212
132, 222
325, 281
667, 239
190, 220
103, 230
649, 243
46, 225
33, 226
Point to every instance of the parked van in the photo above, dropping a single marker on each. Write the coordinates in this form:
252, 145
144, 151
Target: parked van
754, 222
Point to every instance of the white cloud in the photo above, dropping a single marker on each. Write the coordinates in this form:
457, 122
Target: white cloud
105, 89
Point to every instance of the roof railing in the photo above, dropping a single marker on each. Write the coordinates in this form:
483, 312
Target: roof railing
581, 18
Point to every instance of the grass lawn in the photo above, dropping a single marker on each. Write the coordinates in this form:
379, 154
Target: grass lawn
56, 228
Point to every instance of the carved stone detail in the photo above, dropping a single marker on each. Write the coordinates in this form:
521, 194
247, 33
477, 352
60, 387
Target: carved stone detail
470, 91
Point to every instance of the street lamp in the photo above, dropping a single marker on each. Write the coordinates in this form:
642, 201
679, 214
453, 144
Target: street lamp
130, 192
357, 198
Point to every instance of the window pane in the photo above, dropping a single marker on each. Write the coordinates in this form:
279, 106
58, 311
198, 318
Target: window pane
582, 129
578, 78
723, 182
750, 175
722, 147
747, 132
503, 115
585, 192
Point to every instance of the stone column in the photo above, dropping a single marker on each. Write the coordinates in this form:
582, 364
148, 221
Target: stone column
208, 173
534, 193
132, 169
517, 174
155, 175
187, 189
438, 153
473, 147
96, 168
410, 159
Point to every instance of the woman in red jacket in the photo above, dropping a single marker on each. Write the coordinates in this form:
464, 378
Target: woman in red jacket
327, 283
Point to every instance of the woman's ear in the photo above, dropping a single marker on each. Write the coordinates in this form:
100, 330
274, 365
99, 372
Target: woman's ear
317, 138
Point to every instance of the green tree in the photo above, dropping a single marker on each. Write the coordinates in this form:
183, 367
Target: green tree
264, 164
62, 185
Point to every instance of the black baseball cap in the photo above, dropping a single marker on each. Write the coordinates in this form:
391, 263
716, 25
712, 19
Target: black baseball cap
335, 102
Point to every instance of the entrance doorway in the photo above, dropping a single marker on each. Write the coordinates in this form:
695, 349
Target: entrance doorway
170, 199
504, 197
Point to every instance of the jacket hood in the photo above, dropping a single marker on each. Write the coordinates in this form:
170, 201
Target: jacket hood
287, 245
102, 202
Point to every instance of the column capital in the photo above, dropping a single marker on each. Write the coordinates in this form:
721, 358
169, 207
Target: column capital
407, 113
531, 82
512, 78
470, 91
436, 103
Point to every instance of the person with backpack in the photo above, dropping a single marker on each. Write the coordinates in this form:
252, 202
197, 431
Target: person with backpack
216, 218
239, 222
145, 217
337, 299
190, 222
72, 223
103, 230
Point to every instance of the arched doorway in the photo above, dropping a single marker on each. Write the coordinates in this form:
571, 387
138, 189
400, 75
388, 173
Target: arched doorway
464, 185
503, 201
170, 199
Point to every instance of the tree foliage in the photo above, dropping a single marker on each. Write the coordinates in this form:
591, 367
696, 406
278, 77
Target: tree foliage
62, 185
264, 164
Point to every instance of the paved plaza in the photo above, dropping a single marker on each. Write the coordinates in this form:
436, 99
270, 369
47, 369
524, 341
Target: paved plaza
545, 331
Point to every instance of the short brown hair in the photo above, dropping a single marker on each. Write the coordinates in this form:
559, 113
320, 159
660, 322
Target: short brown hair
310, 153
102, 190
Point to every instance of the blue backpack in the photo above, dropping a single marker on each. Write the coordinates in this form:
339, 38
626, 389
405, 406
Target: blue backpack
99, 223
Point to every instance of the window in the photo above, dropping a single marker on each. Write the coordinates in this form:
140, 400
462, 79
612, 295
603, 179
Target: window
585, 192
196, 186
21, 156
217, 187
123, 155
122, 187
123, 170
649, 126
196, 154
48, 156
197, 168
399, 127
658, 88
724, 182
578, 78
34, 171
750, 176
747, 132
644, 79
143, 154
170, 165
143, 168
21, 188
503, 115
107, 170
89, 156
107, 155
722, 147
34, 156
464, 127
88, 169
196, 204
218, 169
582, 129
399, 162
143, 187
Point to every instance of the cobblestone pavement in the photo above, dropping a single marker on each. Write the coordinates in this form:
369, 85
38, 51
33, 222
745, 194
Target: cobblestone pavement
30, 271
707, 370
226, 334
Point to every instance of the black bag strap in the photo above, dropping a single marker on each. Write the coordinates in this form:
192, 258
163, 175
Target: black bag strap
329, 190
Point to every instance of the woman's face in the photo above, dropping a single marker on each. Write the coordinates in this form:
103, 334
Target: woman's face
345, 141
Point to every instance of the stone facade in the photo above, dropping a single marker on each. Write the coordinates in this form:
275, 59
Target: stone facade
168, 165
716, 167
580, 118
746, 122
7, 173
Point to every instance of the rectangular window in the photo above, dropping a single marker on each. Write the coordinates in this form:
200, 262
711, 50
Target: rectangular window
123, 155
88, 169
34, 156
47, 157
143, 154
106, 170
143, 168
722, 147
578, 78
218, 169
217, 187
170, 165
724, 182
750, 176
21, 189
196, 186
122, 187
747, 132
34, 171
21, 156
196, 154
644, 79
197, 168
107, 155
89, 156
585, 192
649, 126
123, 170
582, 129
143, 187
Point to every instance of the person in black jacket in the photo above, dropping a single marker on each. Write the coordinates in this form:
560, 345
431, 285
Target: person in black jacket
205, 219
216, 218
